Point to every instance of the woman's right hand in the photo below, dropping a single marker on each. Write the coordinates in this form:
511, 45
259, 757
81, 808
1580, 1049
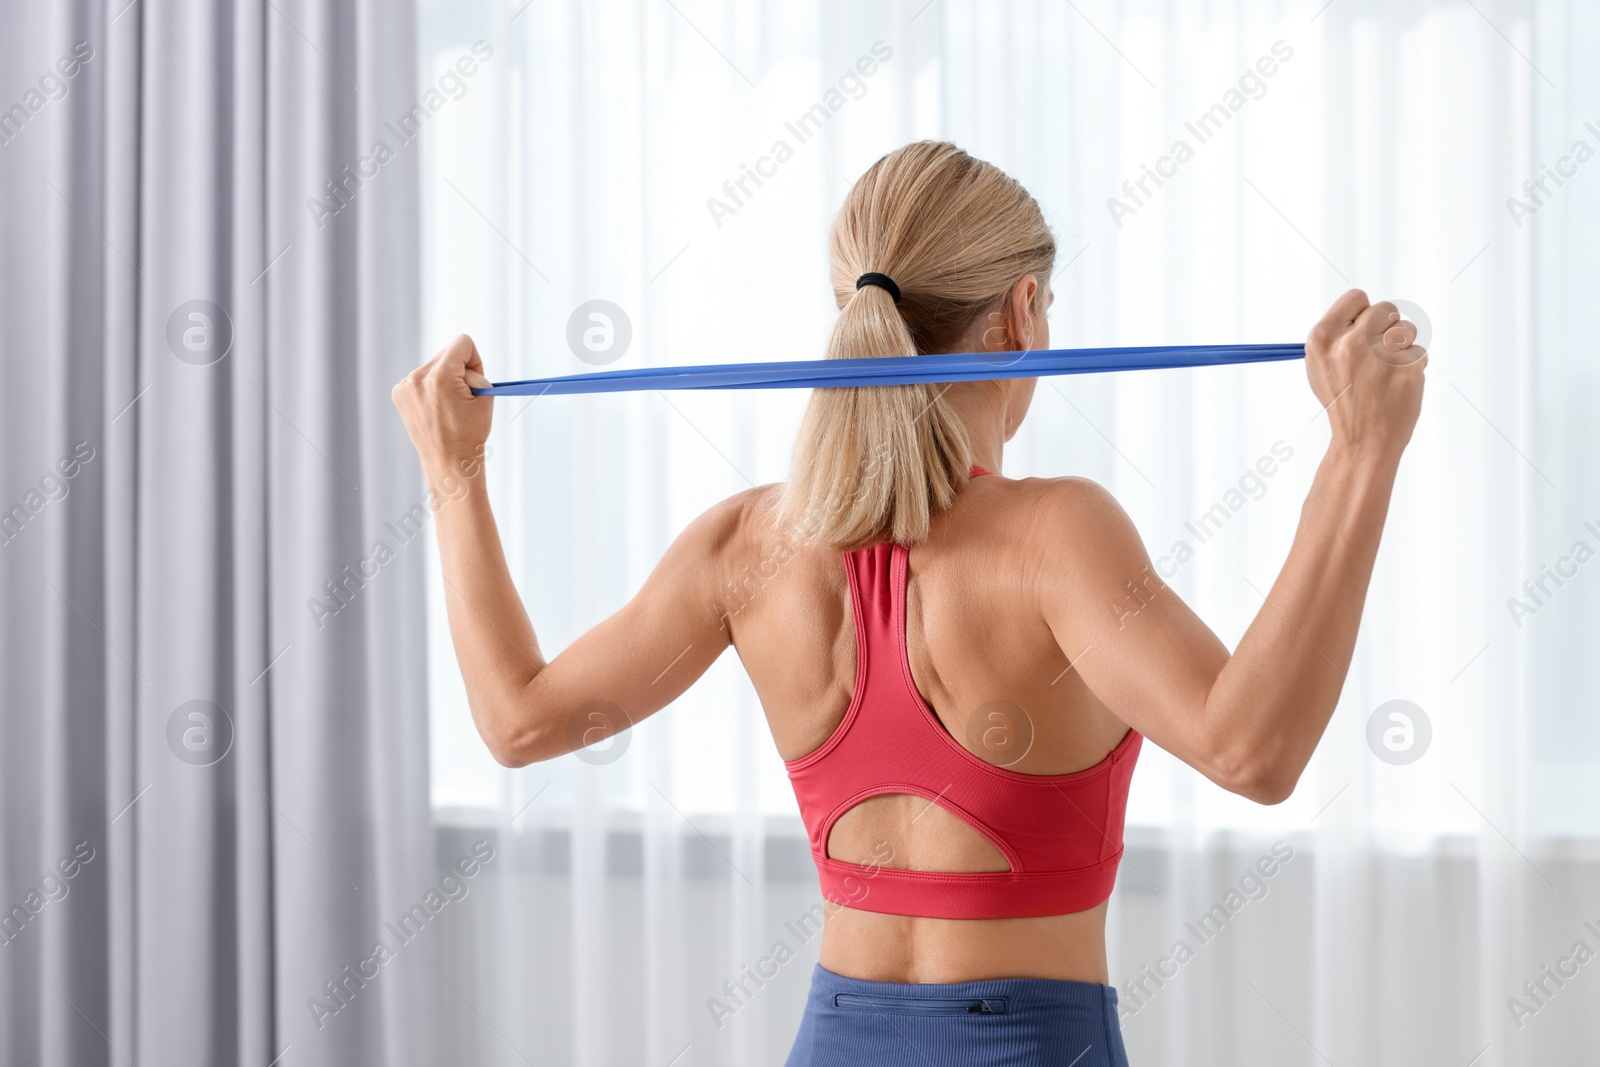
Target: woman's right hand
1367, 370
1249, 720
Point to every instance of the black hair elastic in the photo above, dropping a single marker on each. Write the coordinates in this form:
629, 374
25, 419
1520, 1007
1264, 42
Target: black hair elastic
882, 281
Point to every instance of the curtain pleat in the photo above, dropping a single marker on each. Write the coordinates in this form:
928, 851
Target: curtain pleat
214, 785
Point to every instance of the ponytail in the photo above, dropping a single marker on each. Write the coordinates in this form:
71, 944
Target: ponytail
875, 463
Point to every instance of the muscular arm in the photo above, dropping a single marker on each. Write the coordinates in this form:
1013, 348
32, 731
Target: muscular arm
639, 659
635, 662
1249, 721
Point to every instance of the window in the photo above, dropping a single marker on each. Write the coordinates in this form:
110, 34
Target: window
563, 175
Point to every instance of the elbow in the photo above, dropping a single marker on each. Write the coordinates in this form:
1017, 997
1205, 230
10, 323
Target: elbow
503, 746
1269, 788
519, 725
517, 745
508, 739
1258, 777
507, 755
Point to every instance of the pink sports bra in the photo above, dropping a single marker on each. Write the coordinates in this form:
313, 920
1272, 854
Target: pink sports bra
1061, 833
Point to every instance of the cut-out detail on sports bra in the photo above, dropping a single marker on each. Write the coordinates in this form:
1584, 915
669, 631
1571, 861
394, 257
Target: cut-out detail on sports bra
941, 839
1060, 833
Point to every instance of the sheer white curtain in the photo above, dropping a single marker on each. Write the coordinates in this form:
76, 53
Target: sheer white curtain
1213, 172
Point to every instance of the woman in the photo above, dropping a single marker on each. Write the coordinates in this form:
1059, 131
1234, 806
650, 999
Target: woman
957, 667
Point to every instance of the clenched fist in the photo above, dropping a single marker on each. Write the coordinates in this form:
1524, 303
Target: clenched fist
446, 422
1367, 370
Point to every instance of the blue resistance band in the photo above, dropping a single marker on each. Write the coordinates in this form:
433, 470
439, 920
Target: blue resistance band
897, 370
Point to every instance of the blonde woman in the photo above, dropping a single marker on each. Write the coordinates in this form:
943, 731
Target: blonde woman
958, 667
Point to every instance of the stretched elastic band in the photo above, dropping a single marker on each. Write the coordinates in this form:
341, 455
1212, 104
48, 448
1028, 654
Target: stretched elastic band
897, 370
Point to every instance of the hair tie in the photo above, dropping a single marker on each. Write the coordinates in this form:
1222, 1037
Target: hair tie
882, 281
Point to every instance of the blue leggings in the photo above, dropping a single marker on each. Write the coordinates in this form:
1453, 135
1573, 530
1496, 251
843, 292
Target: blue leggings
1014, 1022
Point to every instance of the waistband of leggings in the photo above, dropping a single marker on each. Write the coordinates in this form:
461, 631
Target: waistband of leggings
1019, 992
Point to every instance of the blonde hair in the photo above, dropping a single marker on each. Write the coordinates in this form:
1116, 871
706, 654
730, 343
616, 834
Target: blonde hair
875, 463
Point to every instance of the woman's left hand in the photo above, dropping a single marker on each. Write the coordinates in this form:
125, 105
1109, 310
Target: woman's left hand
446, 422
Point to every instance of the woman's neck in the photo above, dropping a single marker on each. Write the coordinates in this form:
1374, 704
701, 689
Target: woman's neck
982, 409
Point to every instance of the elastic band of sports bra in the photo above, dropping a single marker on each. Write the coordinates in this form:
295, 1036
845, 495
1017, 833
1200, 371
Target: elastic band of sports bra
898, 370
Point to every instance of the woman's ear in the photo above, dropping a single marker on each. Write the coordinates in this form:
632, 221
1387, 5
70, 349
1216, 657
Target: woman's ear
1020, 309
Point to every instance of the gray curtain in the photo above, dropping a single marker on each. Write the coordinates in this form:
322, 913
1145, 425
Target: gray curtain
213, 762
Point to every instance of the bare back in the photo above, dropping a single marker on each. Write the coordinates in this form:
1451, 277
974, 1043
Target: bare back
986, 661
1016, 582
